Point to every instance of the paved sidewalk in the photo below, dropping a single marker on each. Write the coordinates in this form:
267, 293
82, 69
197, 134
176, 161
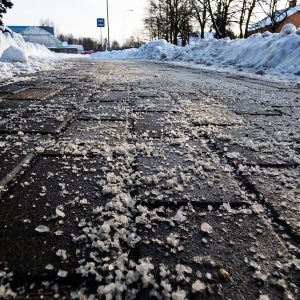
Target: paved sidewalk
137, 180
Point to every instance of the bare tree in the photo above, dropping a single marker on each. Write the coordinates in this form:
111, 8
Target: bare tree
154, 21
115, 45
132, 42
201, 14
50, 23
169, 19
4, 5
246, 12
221, 14
275, 16
46, 22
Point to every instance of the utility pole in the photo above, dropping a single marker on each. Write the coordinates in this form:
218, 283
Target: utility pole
108, 38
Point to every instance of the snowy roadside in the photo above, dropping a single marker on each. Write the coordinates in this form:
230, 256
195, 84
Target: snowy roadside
275, 55
18, 57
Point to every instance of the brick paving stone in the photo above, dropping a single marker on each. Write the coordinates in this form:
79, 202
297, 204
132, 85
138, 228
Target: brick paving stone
118, 88
115, 96
153, 105
51, 86
257, 110
211, 115
41, 124
11, 89
51, 182
33, 82
185, 173
84, 137
241, 258
13, 107
32, 94
82, 90
148, 94
269, 123
251, 146
15, 151
280, 189
103, 111
155, 124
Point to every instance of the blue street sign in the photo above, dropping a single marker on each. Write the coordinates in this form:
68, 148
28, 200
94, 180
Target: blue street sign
101, 22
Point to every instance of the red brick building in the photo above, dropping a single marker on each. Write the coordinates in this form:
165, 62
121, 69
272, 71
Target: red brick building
283, 17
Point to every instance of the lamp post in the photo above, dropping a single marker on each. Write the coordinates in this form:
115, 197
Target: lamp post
108, 37
124, 16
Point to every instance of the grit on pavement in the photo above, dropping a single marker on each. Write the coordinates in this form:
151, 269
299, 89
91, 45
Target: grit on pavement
143, 180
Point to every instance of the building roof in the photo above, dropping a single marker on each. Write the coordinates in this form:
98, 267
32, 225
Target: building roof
280, 16
40, 36
20, 29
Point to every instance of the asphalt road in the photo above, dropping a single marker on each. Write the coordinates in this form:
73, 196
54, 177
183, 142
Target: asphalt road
141, 180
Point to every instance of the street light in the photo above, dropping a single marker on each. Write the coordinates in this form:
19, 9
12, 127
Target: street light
124, 16
108, 38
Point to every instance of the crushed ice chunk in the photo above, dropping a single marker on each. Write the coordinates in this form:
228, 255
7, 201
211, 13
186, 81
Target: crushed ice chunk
179, 295
59, 232
173, 240
62, 253
59, 212
42, 229
206, 228
40, 149
179, 217
62, 273
264, 297
144, 268
198, 286
258, 208
49, 267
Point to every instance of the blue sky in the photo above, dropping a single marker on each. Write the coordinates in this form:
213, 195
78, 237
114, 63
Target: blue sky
79, 17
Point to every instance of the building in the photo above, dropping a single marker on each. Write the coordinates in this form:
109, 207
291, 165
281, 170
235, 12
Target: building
40, 36
282, 17
20, 29
44, 35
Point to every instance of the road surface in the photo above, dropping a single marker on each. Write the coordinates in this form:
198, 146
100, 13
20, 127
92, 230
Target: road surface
142, 180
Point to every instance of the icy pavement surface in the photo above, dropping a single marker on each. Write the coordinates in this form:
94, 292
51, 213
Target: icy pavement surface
140, 180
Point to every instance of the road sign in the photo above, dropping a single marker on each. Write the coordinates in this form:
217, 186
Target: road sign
101, 22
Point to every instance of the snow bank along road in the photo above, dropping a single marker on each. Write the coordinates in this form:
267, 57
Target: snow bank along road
139, 180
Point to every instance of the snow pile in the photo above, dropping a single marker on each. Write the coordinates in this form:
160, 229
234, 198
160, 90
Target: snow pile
263, 53
19, 57
14, 54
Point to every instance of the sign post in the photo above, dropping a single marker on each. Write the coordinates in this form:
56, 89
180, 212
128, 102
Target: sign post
101, 24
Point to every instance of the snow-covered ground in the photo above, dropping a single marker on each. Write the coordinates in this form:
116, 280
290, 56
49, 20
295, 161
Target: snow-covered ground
267, 53
20, 57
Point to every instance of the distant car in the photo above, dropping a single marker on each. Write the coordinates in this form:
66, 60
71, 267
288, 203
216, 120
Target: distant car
87, 52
